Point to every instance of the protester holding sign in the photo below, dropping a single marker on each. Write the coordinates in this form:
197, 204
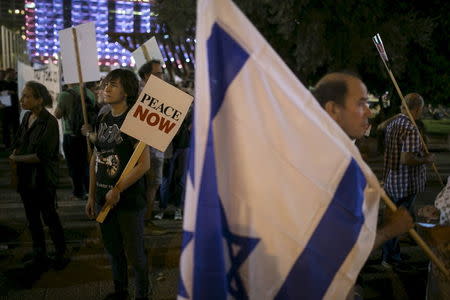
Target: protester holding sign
122, 231
74, 143
36, 151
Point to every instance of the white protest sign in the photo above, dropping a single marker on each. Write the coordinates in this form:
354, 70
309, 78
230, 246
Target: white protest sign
153, 51
48, 76
87, 46
24, 73
5, 100
157, 114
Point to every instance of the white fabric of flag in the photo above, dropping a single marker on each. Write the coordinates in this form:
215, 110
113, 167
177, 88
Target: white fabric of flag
279, 203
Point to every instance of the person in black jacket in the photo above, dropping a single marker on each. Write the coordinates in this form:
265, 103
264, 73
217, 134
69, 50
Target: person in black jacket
35, 152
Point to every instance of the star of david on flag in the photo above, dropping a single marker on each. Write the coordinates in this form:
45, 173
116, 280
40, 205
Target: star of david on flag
279, 203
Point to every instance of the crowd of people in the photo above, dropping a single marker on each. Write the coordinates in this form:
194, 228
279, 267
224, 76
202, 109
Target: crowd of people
35, 154
35, 151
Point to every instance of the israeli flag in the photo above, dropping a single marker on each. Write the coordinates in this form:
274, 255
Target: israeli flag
279, 203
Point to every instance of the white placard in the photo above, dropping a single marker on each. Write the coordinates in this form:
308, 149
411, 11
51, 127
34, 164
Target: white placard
157, 114
48, 76
153, 52
5, 100
24, 73
87, 46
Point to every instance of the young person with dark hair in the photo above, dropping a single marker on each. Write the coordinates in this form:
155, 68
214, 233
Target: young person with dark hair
36, 151
122, 230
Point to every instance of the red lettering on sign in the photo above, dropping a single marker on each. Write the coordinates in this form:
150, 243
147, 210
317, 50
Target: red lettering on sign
139, 111
166, 126
155, 117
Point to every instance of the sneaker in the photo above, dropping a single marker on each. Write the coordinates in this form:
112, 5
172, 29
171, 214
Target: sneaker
178, 215
159, 216
152, 229
122, 295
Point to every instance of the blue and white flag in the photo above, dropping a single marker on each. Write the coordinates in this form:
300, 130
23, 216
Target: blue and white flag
279, 203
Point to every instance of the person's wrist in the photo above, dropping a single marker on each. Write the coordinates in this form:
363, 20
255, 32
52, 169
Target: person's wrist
117, 189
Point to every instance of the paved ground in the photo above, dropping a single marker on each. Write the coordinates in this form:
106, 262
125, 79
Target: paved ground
88, 274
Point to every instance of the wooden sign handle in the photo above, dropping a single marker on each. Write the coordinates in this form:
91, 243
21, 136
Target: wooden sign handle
130, 165
146, 55
418, 239
82, 95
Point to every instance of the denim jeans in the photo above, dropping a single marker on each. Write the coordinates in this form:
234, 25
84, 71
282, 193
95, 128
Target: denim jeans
123, 237
39, 202
174, 179
75, 150
391, 249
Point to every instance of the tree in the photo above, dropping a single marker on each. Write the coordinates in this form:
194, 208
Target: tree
316, 37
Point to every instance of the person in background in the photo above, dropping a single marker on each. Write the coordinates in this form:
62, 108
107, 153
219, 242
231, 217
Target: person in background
36, 154
74, 143
404, 166
154, 175
9, 115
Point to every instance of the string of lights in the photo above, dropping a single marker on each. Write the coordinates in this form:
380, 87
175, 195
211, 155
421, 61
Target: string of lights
44, 18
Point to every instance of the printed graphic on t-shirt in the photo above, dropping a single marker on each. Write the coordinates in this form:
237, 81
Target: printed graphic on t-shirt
111, 162
108, 137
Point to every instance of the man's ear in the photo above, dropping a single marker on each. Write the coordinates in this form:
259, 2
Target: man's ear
333, 110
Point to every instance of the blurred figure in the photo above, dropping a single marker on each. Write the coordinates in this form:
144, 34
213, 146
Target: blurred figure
154, 175
9, 115
36, 153
404, 166
74, 143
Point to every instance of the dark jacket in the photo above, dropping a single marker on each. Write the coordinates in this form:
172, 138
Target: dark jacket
43, 139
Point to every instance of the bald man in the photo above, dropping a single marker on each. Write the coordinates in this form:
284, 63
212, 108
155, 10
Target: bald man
344, 98
404, 166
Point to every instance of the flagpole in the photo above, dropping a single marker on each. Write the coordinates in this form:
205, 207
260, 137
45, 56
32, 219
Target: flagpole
399, 92
82, 96
130, 165
416, 237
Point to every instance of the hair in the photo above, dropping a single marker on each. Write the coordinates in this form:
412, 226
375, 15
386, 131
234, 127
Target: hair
147, 68
414, 100
40, 91
129, 81
331, 91
333, 87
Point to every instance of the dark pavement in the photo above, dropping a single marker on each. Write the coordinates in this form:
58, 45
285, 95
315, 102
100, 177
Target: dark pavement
88, 275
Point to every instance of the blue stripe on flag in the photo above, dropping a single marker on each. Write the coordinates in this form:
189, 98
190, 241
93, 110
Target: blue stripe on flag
331, 242
225, 60
187, 237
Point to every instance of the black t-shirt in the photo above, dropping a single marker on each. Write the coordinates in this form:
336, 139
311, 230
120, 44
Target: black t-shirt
114, 149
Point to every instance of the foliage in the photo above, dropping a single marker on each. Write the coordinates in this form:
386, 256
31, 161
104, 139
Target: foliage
437, 127
316, 37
